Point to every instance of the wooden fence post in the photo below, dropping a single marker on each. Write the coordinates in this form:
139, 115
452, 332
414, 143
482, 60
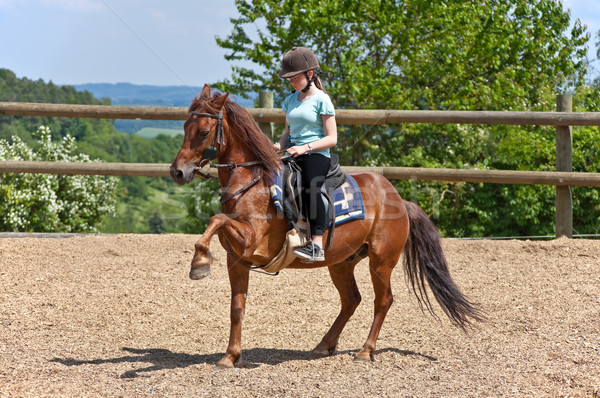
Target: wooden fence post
564, 162
265, 100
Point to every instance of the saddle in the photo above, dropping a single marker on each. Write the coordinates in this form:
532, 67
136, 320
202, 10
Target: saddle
293, 207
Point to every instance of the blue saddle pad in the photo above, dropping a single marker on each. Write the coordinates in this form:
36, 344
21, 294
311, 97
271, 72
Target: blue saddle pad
347, 199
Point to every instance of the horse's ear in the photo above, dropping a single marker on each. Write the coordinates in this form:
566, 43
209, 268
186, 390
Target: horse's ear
220, 100
205, 93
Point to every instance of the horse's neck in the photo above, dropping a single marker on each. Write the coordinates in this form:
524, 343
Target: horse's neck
264, 230
236, 152
255, 205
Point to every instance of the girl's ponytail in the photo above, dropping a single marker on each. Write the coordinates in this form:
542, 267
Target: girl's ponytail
319, 83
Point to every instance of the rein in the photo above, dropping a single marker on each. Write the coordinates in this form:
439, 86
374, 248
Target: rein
231, 166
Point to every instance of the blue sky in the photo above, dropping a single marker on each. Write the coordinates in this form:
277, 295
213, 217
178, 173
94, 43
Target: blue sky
153, 42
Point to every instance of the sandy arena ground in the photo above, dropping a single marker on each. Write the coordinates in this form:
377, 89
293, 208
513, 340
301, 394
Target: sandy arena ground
117, 316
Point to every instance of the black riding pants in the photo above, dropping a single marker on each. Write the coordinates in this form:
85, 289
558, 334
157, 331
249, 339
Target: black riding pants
314, 170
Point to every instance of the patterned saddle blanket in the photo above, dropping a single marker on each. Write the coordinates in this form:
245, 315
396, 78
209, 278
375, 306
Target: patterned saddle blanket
347, 200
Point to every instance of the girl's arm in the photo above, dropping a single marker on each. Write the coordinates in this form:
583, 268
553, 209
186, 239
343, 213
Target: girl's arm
330, 138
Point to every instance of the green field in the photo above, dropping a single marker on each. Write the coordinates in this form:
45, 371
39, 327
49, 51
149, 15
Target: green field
151, 132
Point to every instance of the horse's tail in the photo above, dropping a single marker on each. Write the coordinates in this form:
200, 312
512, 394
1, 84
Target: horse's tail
424, 260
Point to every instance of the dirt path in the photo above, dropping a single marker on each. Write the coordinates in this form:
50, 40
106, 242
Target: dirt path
117, 316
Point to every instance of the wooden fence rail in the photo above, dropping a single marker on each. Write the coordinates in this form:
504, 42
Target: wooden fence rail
563, 119
391, 173
343, 116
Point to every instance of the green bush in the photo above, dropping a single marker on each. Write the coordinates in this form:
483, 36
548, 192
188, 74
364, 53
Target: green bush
48, 202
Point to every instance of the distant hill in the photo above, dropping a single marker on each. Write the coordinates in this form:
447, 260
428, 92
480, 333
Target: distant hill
133, 94
147, 95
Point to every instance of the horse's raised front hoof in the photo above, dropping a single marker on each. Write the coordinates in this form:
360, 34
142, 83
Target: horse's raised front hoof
201, 264
198, 273
364, 356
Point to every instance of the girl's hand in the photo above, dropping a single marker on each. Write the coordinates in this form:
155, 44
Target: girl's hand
298, 150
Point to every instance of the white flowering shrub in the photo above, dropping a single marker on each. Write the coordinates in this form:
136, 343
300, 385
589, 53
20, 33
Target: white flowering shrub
48, 202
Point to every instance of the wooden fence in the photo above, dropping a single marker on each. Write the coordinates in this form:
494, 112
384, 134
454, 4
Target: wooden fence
343, 116
563, 119
561, 179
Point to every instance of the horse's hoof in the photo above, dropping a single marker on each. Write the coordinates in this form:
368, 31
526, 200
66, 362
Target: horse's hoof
226, 363
318, 353
364, 357
200, 264
202, 272
314, 354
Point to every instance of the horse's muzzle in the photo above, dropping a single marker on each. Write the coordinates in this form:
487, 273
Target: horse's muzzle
182, 175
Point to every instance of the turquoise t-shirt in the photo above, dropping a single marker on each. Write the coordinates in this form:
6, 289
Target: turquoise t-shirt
304, 118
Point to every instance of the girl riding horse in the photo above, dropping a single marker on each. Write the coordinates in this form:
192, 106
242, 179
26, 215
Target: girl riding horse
252, 232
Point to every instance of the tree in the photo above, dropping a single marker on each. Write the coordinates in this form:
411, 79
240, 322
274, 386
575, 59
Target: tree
13, 89
52, 203
200, 202
596, 75
414, 54
97, 138
156, 224
430, 55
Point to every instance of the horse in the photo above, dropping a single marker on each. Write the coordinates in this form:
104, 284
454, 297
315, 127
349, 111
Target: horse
252, 232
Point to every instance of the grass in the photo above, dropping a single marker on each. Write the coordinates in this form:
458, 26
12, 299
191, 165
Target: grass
152, 132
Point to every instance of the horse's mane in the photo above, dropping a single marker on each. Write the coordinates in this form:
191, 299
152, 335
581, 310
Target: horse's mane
242, 124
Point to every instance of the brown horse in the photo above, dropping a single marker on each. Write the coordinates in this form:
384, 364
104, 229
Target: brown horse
252, 232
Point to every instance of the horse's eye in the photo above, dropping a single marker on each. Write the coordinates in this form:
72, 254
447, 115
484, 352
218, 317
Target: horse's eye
204, 133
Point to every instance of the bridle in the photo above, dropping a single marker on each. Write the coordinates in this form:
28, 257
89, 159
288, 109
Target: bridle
214, 150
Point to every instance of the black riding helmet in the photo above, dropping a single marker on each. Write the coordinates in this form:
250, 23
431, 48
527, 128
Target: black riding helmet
298, 60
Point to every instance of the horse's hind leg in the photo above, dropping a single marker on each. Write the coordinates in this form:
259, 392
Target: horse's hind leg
342, 275
380, 276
